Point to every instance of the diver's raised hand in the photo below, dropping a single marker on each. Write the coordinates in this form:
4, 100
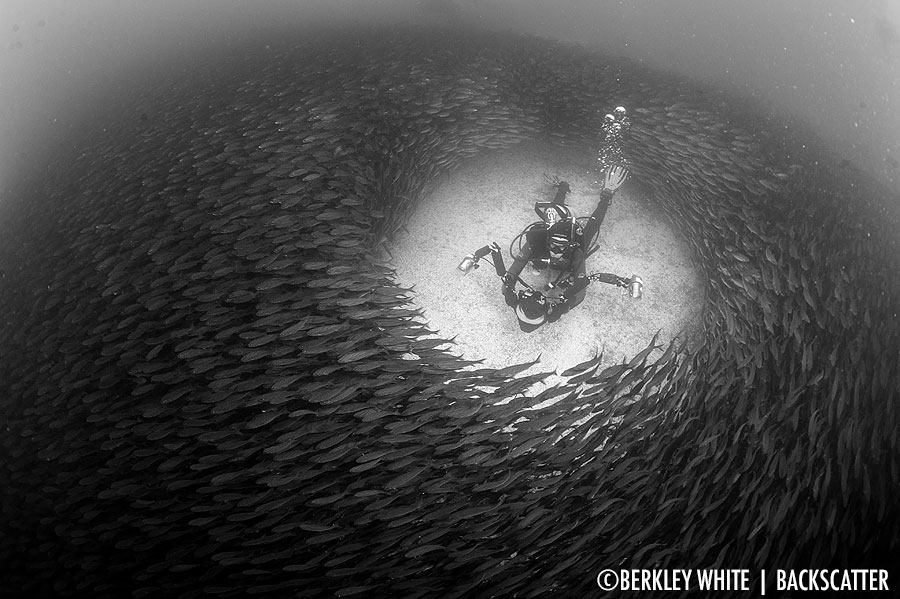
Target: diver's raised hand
615, 176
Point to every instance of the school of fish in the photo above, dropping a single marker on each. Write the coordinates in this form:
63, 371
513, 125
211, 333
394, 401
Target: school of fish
212, 385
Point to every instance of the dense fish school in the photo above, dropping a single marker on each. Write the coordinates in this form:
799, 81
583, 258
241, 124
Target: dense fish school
212, 385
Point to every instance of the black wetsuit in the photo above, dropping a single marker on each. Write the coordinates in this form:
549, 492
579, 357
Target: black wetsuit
572, 261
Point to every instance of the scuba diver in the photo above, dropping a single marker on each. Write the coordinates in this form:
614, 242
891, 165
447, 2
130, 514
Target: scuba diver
559, 245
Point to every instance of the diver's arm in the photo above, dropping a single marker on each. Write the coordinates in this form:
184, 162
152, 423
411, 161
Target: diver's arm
578, 281
515, 269
611, 279
615, 176
596, 218
578, 285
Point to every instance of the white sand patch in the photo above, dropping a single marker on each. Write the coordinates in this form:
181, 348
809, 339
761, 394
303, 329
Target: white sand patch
492, 199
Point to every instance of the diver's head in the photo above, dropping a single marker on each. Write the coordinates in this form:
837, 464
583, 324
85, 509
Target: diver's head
557, 244
560, 236
620, 111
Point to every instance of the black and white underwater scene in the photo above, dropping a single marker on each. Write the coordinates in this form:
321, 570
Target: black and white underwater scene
449, 298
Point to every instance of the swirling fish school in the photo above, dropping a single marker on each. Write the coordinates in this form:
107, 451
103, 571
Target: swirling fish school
211, 384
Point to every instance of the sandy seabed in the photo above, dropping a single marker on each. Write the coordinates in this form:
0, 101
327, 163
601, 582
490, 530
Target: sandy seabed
491, 198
